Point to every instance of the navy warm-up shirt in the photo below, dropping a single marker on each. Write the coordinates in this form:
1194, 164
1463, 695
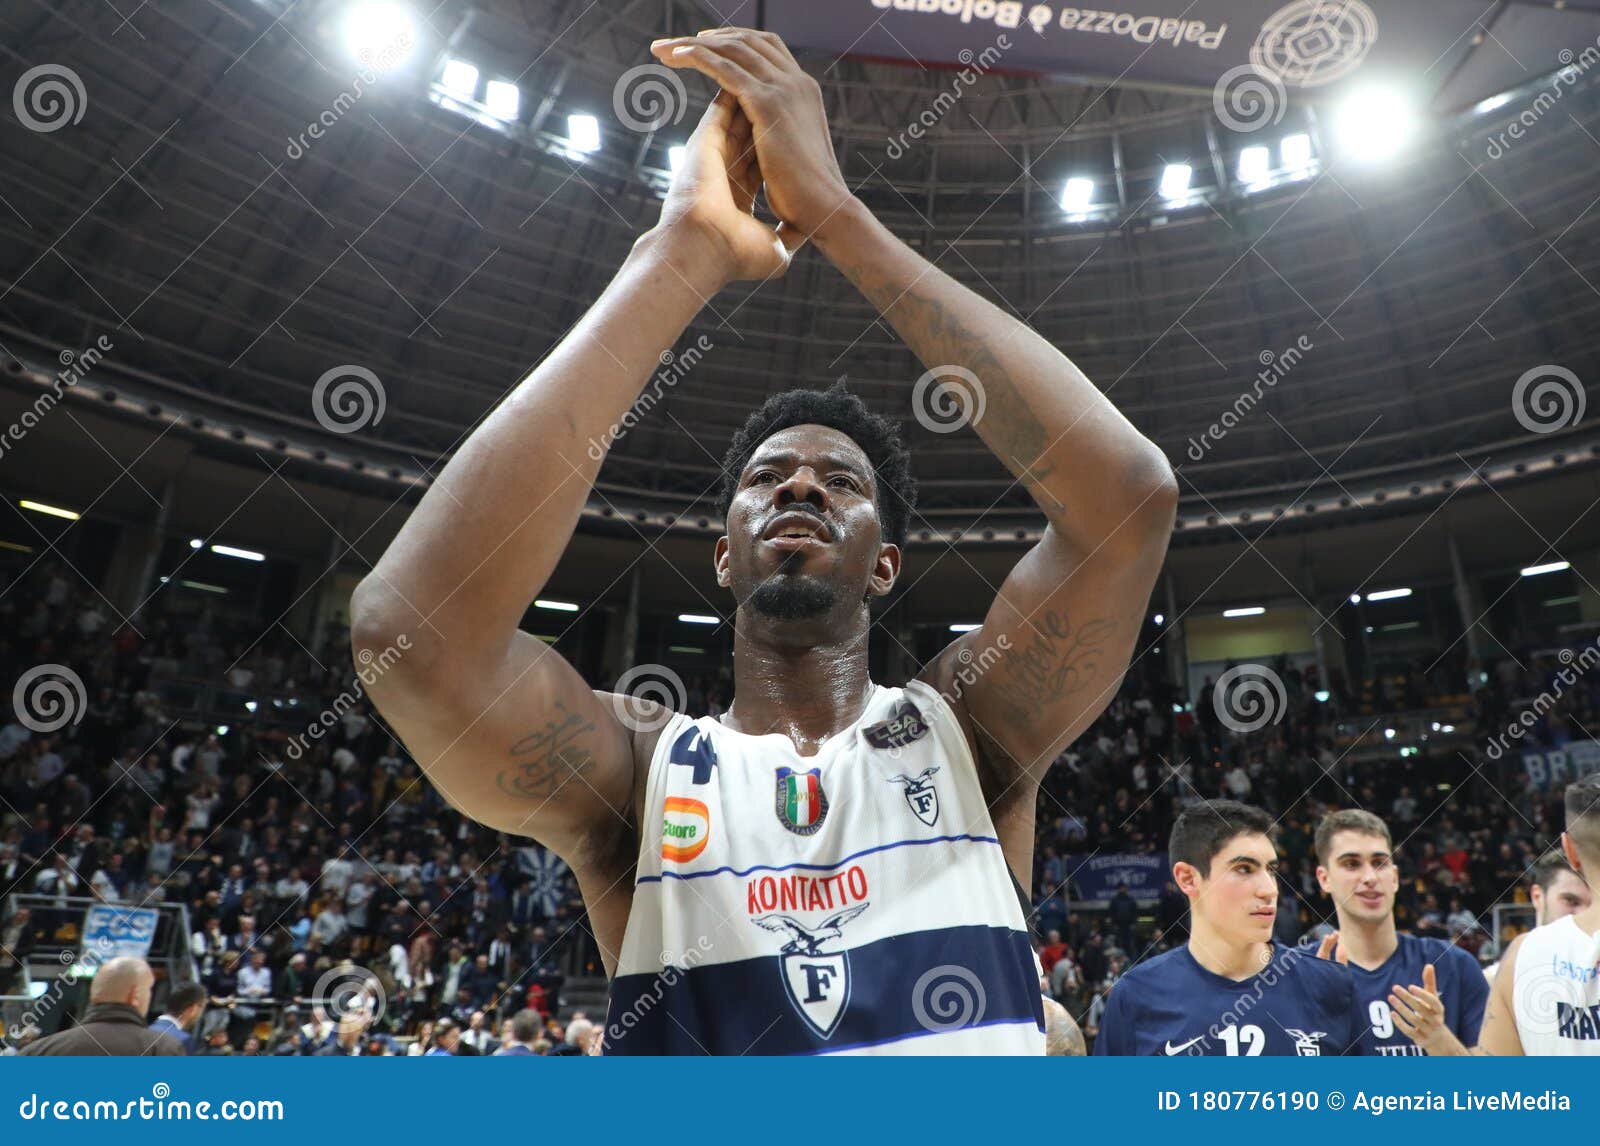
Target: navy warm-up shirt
1297, 1005
1462, 987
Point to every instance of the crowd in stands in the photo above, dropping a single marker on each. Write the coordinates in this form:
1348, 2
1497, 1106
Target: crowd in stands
306, 860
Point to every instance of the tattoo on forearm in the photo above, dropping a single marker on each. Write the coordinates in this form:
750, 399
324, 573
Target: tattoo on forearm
938, 334
549, 758
1052, 662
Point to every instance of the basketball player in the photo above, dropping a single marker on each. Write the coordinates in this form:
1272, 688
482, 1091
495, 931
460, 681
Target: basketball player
1557, 892
1231, 990
828, 866
1356, 866
1546, 998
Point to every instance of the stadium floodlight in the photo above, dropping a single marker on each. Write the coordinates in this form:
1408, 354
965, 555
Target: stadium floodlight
1245, 611
379, 34
583, 132
1355, 598
675, 157
964, 628
1077, 195
196, 543
1530, 571
1295, 151
1254, 164
503, 98
1494, 102
1160, 619
460, 78
1175, 180
698, 619
49, 510
1322, 695
557, 606
1388, 594
242, 554
1375, 122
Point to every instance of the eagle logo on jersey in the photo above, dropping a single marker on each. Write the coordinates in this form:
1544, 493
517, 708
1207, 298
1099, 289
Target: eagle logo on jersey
801, 803
817, 982
1305, 1043
905, 726
921, 796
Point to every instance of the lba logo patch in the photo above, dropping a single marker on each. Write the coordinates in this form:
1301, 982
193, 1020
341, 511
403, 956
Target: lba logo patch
904, 727
801, 803
685, 829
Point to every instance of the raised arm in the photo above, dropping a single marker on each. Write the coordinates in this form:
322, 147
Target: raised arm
1064, 624
499, 722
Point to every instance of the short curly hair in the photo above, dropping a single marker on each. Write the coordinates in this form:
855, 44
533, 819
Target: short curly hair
837, 408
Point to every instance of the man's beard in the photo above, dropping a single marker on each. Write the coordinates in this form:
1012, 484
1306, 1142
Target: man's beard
793, 597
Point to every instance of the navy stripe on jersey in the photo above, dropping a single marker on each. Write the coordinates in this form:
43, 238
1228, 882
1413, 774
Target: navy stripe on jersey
741, 872
968, 977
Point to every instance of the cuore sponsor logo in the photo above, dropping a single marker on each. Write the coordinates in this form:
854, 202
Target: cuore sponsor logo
685, 829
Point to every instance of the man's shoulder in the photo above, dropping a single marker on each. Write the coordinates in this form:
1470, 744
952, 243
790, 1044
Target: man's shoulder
1158, 968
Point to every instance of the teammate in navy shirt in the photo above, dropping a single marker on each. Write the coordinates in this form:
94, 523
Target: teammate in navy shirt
1405, 1006
1231, 990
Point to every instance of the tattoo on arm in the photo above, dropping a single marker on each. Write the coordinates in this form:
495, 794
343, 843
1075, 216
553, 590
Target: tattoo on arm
1052, 662
549, 758
938, 334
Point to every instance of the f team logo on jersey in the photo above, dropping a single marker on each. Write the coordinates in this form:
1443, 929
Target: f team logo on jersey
921, 796
1307, 1044
901, 729
816, 981
685, 828
801, 803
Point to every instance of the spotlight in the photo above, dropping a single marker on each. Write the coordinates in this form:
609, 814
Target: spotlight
963, 628
675, 157
379, 34
1374, 123
1388, 594
1077, 195
583, 131
1254, 163
1530, 571
503, 99
558, 606
698, 619
48, 510
1246, 611
1175, 180
1295, 151
460, 78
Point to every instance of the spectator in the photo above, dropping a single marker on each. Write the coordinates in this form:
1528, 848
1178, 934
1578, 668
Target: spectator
114, 1024
186, 1002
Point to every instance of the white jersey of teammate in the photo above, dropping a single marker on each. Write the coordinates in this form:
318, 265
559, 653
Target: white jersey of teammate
1556, 993
853, 901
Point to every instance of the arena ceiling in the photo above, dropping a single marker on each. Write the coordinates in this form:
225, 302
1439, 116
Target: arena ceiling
1298, 344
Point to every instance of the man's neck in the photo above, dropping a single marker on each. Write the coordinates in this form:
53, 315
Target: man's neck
1231, 958
1589, 921
807, 693
1369, 945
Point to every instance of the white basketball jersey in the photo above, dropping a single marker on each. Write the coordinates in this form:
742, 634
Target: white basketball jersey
1556, 996
854, 901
